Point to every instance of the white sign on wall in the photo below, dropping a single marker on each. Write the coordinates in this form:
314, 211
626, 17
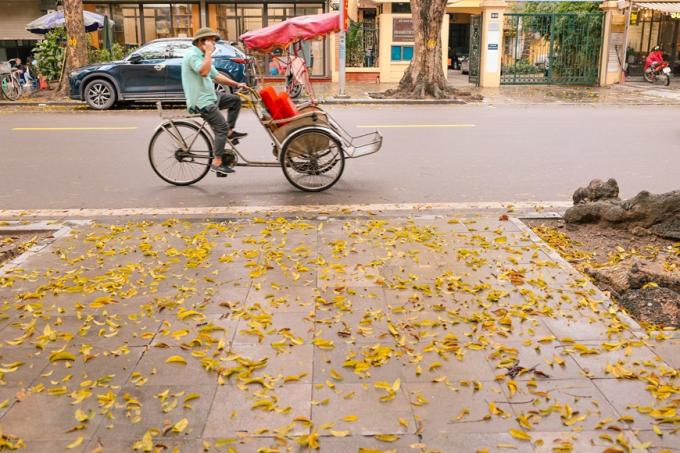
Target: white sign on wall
492, 47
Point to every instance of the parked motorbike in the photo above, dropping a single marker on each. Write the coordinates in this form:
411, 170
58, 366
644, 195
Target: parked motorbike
656, 68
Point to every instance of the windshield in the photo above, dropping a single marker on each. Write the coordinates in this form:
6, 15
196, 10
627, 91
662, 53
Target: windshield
225, 49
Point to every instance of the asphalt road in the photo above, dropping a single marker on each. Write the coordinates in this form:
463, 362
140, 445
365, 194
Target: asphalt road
430, 154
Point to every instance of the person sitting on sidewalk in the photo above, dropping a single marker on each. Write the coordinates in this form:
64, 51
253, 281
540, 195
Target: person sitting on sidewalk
198, 78
19, 67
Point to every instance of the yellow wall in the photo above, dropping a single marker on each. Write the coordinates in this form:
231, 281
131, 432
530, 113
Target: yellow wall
392, 71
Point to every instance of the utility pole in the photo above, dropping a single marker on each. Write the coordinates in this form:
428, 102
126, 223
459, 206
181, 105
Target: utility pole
343, 50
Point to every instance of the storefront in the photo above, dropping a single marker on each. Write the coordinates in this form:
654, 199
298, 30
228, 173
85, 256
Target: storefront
15, 41
138, 22
653, 24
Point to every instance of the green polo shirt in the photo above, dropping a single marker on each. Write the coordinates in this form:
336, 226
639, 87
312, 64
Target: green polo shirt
199, 90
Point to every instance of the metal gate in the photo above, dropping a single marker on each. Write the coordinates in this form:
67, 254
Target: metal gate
551, 48
362, 46
474, 58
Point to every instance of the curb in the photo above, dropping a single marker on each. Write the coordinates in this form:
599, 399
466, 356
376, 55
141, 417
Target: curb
390, 101
43, 104
350, 101
608, 303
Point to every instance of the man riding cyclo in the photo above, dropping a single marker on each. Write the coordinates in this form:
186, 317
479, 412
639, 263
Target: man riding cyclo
198, 81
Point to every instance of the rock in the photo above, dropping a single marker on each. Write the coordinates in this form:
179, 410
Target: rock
640, 231
659, 213
614, 279
642, 273
660, 304
597, 190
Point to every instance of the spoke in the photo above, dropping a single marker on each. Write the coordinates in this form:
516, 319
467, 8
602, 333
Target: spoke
174, 163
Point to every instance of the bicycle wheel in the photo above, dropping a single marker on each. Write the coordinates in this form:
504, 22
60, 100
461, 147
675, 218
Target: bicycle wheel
11, 87
294, 89
252, 78
180, 153
312, 160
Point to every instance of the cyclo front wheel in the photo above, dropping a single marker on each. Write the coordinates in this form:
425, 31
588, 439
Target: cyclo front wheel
312, 160
180, 152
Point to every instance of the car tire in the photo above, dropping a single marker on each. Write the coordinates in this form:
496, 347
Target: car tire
100, 94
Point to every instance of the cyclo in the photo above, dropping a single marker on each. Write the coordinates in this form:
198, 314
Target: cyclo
308, 143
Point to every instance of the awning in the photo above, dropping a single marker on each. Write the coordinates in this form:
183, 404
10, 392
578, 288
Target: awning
464, 4
664, 7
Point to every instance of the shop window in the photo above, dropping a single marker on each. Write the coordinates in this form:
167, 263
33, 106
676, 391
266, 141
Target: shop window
227, 23
167, 20
402, 53
126, 28
279, 13
157, 21
401, 8
314, 50
182, 26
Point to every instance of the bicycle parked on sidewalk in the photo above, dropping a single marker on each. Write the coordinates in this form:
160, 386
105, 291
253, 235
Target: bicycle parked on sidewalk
10, 85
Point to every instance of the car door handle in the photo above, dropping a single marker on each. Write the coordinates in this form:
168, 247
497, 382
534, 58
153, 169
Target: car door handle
159, 67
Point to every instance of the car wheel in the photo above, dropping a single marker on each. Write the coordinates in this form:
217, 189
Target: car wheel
219, 89
100, 94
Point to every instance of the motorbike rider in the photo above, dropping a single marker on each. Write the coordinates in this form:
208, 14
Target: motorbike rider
654, 58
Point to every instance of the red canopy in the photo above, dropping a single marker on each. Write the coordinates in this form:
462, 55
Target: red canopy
285, 33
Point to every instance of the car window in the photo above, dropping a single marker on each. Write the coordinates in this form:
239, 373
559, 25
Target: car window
177, 49
225, 50
153, 51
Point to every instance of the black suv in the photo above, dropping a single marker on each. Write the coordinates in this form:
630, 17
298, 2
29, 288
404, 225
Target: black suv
151, 73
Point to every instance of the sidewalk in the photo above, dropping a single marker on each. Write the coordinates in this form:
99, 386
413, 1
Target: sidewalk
632, 93
381, 332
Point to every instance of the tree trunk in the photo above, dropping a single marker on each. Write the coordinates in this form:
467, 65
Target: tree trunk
76, 41
424, 77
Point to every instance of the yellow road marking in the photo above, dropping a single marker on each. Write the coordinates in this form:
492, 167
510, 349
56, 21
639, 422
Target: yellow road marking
395, 126
126, 128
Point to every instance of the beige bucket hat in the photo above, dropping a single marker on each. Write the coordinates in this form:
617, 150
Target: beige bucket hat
205, 32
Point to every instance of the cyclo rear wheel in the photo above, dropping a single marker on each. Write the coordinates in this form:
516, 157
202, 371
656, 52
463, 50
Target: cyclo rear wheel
312, 160
180, 152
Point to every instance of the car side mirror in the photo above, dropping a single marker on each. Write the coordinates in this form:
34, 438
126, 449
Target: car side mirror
135, 58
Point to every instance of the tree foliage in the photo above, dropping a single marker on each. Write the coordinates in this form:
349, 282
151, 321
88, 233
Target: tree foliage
49, 54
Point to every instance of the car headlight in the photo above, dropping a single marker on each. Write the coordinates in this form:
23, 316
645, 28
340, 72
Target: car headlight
75, 73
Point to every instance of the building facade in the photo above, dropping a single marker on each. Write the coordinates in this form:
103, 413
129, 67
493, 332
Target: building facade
15, 41
140, 21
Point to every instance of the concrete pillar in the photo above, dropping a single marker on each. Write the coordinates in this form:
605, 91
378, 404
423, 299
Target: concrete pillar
492, 42
204, 13
613, 35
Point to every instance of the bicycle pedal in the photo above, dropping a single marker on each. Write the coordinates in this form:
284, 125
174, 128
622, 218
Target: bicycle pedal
234, 141
220, 175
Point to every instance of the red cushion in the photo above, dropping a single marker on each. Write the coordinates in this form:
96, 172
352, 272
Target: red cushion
270, 100
286, 106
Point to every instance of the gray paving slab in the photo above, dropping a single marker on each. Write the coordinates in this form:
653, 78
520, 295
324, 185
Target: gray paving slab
492, 442
232, 412
357, 408
553, 405
442, 310
461, 409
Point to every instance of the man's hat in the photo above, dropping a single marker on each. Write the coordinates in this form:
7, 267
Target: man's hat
206, 32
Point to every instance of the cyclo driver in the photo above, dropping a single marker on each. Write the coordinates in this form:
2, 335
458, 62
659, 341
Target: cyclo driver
198, 79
